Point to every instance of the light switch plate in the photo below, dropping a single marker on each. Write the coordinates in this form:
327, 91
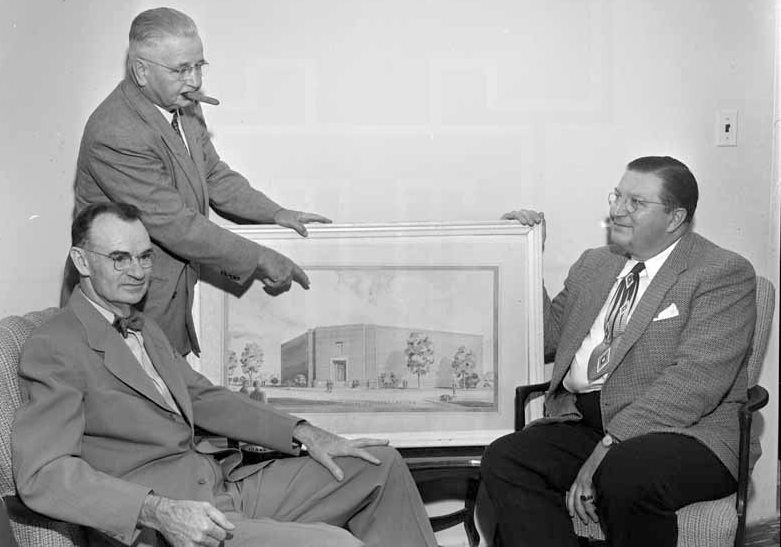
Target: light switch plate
727, 128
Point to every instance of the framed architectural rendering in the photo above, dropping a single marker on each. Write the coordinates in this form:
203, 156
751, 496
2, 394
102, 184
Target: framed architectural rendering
416, 332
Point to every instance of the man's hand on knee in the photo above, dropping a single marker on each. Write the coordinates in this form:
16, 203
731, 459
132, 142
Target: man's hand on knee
323, 446
580, 496
185, 523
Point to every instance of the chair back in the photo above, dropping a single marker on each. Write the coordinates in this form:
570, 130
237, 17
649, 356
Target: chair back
30, 529
766, 301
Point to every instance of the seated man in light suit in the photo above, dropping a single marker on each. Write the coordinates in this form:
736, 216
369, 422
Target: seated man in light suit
641, 418
105, 435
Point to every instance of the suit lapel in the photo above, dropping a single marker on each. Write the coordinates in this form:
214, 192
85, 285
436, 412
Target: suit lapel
189, 123
166, 368
590, 301
117, 357
652, 298
155, 119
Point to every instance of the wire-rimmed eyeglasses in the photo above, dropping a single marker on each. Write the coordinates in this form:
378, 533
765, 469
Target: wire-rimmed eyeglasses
123, 261
183, 72
631, 203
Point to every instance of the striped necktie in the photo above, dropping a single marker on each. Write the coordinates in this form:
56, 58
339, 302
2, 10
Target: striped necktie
175, 124
615, 321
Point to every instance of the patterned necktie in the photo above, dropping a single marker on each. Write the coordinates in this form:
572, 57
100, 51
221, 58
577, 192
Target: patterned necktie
615, 321
134, 321
175, 124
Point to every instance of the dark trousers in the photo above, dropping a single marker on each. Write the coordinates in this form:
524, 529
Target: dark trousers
639, 485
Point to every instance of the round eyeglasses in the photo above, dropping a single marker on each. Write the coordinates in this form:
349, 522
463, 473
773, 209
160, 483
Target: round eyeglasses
183, 72
631, 203
123, 261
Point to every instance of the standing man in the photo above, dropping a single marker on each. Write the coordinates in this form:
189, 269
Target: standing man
104, 437
641, 417
147, 144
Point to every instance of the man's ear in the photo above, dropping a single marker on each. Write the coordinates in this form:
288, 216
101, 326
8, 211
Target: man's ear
677, 219
79, 259
138, 68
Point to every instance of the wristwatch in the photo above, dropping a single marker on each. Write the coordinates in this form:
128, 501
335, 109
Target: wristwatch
608, 440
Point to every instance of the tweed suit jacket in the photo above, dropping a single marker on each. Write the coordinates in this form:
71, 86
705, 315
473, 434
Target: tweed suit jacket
94, 436
684, 373
130, 153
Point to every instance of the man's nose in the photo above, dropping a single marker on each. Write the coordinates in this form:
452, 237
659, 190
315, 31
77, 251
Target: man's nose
135, 270
618, 209
194, 79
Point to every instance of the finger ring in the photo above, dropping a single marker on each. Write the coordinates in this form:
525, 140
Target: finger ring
586, 498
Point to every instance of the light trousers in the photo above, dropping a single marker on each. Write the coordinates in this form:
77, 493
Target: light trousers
297, 502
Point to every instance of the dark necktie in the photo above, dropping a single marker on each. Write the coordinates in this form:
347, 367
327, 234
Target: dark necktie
175, 124
134, 321
616, 318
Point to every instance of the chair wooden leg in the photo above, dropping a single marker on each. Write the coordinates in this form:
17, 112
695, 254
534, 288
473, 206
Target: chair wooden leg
472, 486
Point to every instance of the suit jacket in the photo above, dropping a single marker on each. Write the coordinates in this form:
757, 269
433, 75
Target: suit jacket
94, 436
683, 374
129, 153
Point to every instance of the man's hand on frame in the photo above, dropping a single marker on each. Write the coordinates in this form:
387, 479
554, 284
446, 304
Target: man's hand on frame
528, 217
295, 220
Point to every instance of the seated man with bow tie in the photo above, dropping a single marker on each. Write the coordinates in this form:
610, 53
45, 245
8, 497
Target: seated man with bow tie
641, 417
105, 435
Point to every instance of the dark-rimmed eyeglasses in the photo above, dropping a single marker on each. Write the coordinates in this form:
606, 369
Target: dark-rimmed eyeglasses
123, 261
183, 72
631, 203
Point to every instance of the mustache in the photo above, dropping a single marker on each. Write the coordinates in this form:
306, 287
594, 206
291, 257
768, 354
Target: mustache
201, 97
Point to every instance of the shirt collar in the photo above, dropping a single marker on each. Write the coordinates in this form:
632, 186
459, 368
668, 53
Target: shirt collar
108, 314
652, 265
166, 114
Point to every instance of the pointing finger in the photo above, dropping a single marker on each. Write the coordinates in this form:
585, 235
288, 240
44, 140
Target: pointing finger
300, 277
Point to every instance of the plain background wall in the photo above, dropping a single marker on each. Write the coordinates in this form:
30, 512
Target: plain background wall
419, 110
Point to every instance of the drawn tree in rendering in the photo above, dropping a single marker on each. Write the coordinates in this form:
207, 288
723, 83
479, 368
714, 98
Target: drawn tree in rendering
251, 359
463, 366
233, 362
420, 354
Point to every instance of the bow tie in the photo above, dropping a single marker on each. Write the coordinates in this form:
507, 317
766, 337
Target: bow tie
134, 321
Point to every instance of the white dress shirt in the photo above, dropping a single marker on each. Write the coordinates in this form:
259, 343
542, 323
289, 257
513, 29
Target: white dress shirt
576, 380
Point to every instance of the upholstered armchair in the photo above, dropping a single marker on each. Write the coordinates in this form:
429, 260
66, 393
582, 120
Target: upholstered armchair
28, 528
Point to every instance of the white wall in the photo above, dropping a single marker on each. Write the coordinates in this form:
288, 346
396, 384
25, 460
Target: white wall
408, 110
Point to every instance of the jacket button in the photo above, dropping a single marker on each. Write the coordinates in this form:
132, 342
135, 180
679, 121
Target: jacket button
201, 481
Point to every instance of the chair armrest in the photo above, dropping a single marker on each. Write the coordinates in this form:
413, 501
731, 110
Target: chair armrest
757, 399
522, 394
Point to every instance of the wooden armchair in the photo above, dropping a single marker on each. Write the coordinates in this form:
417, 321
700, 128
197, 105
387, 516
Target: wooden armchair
717, 523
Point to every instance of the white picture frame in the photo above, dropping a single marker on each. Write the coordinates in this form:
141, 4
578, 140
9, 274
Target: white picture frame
415, 332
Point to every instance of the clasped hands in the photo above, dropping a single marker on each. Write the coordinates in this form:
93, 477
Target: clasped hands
186, 523
278, 272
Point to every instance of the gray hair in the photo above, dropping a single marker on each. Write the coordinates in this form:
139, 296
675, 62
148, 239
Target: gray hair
153, 25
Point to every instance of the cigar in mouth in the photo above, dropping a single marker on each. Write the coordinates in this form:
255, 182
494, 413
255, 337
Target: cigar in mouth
200, 97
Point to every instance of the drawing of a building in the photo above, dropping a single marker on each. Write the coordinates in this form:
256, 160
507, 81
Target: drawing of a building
362, 354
